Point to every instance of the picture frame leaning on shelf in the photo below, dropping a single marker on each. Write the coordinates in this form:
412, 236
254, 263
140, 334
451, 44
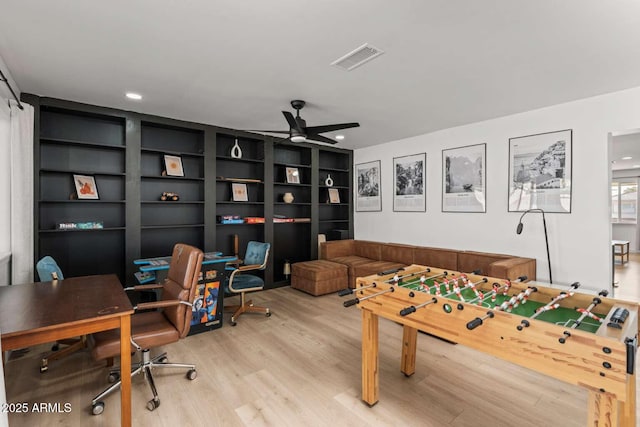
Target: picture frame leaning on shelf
293, 176
334, 195
239, 192
86, 188
173, 165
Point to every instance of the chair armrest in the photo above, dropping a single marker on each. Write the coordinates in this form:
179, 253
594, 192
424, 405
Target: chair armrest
249, 267
160, 304
144, 287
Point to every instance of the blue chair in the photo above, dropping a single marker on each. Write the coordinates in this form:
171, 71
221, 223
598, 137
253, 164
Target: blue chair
48, 270
239, 282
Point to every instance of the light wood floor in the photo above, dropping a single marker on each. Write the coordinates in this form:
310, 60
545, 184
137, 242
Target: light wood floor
628, 277
301, 366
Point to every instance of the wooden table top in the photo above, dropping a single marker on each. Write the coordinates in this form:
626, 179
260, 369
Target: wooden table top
46, 305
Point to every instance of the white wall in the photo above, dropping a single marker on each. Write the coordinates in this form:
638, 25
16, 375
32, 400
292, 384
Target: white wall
579, 242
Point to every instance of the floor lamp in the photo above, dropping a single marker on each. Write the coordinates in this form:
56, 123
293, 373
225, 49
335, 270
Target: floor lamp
546, 238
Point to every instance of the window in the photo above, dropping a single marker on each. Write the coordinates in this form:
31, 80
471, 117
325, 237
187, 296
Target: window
624, 201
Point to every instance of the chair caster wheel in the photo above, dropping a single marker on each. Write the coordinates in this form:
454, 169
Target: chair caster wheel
233, 322
113, 377
163, 360
268, 314
192, 374
153, 404
55, 347
97, 408
43, 369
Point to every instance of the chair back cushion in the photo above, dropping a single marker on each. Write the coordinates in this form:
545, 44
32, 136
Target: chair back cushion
257, 254
181, 284
48, 269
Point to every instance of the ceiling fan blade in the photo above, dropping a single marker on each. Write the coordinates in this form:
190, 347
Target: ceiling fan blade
267, 131
320, 138
292, 121
329, 128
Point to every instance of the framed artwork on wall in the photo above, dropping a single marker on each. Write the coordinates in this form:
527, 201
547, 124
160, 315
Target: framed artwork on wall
464, 179
409, 183
173, 165
85, 187
540, 172
367, 187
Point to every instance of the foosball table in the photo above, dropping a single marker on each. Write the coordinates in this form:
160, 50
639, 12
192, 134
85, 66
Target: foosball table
586, 340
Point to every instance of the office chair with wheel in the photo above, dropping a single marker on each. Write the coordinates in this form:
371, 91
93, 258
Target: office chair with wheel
239, 282
154, 328
48, 270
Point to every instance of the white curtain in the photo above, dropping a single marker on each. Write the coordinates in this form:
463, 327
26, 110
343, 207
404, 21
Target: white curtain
22, 201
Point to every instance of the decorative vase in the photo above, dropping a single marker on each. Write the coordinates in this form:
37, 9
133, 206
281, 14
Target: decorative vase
288, 197
328, 182
236, 151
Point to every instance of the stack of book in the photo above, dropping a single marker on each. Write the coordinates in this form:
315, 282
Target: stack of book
229, 219
254, 220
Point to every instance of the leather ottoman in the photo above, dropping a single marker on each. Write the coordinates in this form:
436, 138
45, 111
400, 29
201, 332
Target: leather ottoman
319, 277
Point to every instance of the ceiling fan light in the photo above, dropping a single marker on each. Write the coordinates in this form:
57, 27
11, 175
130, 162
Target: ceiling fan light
298, 138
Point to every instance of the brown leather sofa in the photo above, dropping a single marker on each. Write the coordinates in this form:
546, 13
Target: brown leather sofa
364, 258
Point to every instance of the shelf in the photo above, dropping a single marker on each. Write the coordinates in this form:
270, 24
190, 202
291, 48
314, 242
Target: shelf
240, 203
233, 159
81, 201
173, 153
340, 187
178, 202
67, 142
82, 230
179, 178
333, 169
333, 204
292, 203
291, 165
81, 172
239, 180
243, 223
160, 227
291, 184
333, 220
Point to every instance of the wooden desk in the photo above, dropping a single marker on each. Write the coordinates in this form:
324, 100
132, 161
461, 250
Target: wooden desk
69, 308
623, 246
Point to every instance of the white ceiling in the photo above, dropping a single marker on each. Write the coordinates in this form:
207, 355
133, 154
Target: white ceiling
239, 63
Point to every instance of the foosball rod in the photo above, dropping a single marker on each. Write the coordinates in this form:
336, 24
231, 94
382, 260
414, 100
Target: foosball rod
428, 270
355, 301
479, 320
348, 291
584, 314
470, 285
412, 309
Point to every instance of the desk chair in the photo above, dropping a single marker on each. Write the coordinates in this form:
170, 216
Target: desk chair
238, 282
153, 328
48, 270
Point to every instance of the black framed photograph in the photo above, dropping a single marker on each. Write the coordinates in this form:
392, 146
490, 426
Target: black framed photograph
293, 176
173, 165
367, 186
239, 192
464, 179
85, 187
409, 183
540, 172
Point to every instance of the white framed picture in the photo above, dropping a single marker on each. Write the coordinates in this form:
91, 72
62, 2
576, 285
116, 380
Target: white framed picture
367, 187
540, 172
239, 192
173, 165
293, 176
409, 183
334, 195
464, 179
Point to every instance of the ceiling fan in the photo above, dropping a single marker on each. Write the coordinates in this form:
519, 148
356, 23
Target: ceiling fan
300, 132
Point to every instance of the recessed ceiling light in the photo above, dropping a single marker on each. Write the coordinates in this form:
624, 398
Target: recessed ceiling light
135, 96
339, 137
636, 166
627, 158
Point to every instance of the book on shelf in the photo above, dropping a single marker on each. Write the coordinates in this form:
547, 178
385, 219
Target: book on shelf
254, 220
229, 219
301, 219
281, 220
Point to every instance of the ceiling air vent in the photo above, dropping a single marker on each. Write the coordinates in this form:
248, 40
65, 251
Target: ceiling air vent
357, 57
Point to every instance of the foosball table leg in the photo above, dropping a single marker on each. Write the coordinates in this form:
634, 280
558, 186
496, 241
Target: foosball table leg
370, 385
602, 410
409, 341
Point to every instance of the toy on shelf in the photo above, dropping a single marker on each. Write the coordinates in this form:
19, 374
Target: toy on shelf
170, 197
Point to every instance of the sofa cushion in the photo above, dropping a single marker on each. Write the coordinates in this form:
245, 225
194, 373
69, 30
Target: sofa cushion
469, 261
337, 248
397, 252
435, 257
513, 268
362, 270
367, 249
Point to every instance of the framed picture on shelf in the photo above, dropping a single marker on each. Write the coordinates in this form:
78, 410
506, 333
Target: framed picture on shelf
173, 165
85, 187
464, 179
334, 195
293, 176
408, 183
368, 195
540, 172
239, 192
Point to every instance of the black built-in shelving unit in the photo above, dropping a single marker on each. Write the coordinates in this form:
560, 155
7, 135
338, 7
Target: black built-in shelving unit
124, 151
